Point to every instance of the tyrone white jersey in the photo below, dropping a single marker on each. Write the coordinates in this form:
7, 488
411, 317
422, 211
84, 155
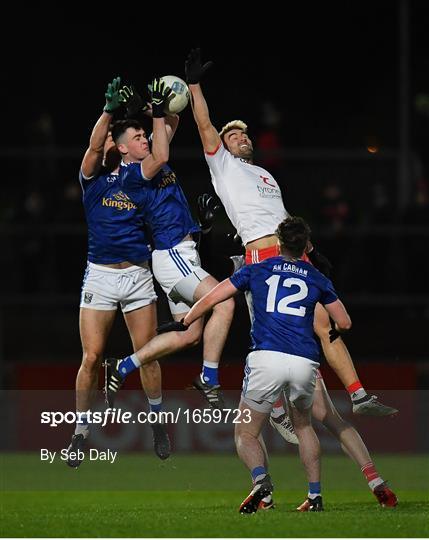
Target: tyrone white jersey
250, 195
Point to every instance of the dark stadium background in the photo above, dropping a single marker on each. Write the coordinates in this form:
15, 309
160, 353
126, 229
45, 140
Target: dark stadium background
335, 95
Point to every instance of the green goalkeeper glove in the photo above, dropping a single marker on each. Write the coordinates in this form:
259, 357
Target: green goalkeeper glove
113, 97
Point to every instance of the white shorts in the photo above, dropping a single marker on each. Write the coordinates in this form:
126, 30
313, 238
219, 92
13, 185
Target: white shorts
268, 373
178, 271
104, 287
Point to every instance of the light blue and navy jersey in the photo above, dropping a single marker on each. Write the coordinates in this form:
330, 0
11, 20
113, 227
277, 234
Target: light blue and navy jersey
115, 224
284, 295
166, 209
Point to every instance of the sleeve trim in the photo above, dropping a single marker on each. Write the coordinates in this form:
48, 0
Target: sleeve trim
215, 150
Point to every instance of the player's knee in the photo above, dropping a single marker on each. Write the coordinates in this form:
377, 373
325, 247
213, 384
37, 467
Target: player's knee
244, 439
239, 438
241, 433
191, 337
236, 436
319, 413
194, 341
91, 360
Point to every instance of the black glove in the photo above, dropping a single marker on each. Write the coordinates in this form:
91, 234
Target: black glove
131, 100
194, 71
234, 240
207, 209
333, 334
172, 326
159, 96
320, 262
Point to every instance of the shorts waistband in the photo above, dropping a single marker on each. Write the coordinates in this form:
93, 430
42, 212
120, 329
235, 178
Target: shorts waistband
107, 270
259, 255
187, 241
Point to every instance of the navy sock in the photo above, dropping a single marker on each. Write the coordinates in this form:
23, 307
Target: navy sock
82, 426
314, 489
258, 473
155, 404
210, 373
128, 365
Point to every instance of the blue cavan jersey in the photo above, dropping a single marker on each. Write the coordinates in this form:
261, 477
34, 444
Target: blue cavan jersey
165, 206
115, 224
284, 295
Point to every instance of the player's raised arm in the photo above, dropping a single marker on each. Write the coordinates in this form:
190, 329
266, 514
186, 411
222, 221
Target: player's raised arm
194, 72
94, 154
135, 107
160, 144
171, 124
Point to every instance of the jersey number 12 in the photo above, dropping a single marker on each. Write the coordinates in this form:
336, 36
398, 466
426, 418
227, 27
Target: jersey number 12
283, 304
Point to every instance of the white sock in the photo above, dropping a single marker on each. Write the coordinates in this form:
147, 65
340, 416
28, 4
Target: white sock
260, 477
374, 483
135, 360
213, 365
277, 411
358, 394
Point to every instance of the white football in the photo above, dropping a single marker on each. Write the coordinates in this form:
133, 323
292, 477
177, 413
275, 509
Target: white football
180, 94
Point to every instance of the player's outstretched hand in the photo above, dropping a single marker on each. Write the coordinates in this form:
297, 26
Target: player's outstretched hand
207, 209
112, 96
159, 96
319, 261
131, 100
194, 70
172, 326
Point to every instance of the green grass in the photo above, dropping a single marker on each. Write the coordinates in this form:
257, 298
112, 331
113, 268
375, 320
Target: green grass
191, 496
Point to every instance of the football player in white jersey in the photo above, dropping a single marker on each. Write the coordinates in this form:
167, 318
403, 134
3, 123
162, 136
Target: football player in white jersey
253, 202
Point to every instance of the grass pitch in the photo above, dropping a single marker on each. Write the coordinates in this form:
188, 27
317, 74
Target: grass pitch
198, 496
